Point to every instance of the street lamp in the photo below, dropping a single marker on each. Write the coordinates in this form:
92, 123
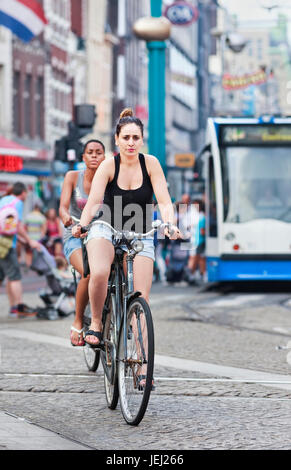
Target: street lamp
236, 42
155, 30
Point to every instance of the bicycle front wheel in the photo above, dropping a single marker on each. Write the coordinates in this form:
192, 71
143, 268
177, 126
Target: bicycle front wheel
136, 361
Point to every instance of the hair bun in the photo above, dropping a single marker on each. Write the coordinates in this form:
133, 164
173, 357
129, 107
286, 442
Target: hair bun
126, 112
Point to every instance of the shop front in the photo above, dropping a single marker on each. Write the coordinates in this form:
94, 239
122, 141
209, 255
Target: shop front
30, 166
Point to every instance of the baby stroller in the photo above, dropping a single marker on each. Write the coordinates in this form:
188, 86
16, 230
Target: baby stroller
178, 260
59, 297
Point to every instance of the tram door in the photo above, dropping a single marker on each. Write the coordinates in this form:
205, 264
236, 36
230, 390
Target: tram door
211, 218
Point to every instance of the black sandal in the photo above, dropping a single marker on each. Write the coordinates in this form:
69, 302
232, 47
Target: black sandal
140, 386
98, 335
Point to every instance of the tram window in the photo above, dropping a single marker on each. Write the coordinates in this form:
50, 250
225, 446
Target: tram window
212, 200
256, 182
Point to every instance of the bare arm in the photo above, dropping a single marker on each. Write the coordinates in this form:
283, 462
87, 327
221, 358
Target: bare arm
21, 231
67, 190
95, 199
161, 192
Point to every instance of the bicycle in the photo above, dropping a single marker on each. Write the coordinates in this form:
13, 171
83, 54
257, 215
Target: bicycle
127, 345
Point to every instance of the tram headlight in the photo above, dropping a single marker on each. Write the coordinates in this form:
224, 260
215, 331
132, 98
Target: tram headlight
137, 245
230, 236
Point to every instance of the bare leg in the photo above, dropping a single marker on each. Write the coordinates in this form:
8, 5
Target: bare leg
202, 264
100, 256
143, 275
14, 292
82, 296
58, 249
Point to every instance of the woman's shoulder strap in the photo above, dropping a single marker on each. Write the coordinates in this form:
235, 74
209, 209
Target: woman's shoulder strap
117, 166
143, 165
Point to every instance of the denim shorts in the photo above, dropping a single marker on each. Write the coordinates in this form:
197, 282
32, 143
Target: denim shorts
102, 231
9, 266
70, 246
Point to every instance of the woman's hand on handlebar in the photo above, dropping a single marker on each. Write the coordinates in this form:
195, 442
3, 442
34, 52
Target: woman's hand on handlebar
172, 232
68, 221
77, 231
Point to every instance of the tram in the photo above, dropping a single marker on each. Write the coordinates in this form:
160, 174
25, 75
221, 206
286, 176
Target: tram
247, 171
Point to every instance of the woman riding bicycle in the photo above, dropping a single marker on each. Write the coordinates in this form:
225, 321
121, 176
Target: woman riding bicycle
126, 183
75, 191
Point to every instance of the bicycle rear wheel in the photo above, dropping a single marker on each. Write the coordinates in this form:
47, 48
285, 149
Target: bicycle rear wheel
108, 355
92, 356
136, 359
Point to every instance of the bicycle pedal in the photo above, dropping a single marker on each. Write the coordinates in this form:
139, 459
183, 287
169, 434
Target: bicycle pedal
97, 346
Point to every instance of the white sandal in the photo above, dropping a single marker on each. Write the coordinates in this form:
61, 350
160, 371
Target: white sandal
79, 336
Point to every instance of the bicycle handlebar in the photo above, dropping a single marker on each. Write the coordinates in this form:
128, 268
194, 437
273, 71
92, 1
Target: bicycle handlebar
126, 233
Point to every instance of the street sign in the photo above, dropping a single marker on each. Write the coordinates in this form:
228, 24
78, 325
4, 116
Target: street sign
11, 163
181, 13
71, 155
185, 160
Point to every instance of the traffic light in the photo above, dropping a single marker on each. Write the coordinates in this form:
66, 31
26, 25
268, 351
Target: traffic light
69, 148
74, 150
61, 149
85, 116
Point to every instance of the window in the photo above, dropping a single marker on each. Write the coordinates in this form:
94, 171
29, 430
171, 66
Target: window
39, 107
27, 105
256, 183
16, 107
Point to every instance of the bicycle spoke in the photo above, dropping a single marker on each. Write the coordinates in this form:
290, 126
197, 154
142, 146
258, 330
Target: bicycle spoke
108, 355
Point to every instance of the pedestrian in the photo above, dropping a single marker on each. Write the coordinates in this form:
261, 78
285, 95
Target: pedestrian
9, 265
75, 191
62, 267
126, 182
35, 224
53, 233
160, 244
197, 259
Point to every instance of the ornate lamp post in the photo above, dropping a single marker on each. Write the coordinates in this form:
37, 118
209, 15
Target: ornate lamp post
155, 30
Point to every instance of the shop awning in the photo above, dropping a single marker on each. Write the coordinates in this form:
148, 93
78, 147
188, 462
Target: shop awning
8, 147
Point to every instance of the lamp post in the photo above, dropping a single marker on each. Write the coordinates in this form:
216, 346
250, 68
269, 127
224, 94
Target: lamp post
155, 30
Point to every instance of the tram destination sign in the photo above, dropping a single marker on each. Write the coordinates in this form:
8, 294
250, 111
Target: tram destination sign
256, 134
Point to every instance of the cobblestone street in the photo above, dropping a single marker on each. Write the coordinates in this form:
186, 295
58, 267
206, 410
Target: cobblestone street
222, 377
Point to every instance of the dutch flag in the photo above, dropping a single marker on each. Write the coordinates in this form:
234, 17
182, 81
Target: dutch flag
25, 18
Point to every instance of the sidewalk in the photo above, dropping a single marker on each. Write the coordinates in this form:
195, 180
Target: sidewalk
19, 434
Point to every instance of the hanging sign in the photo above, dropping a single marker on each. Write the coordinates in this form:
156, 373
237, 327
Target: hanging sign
185, 160
181, 13
235, 82
11, 163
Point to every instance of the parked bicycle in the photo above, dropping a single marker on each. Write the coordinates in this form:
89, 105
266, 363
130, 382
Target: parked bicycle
127, 345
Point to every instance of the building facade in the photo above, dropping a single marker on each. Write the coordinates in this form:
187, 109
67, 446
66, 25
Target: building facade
266, 54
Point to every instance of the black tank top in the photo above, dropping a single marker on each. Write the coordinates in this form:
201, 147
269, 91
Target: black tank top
129, 209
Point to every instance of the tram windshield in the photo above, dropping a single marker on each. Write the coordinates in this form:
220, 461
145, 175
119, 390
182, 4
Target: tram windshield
256, 183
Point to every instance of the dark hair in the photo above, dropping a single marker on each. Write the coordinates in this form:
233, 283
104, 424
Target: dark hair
93, 140
200, 203
127, 117
18, 188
